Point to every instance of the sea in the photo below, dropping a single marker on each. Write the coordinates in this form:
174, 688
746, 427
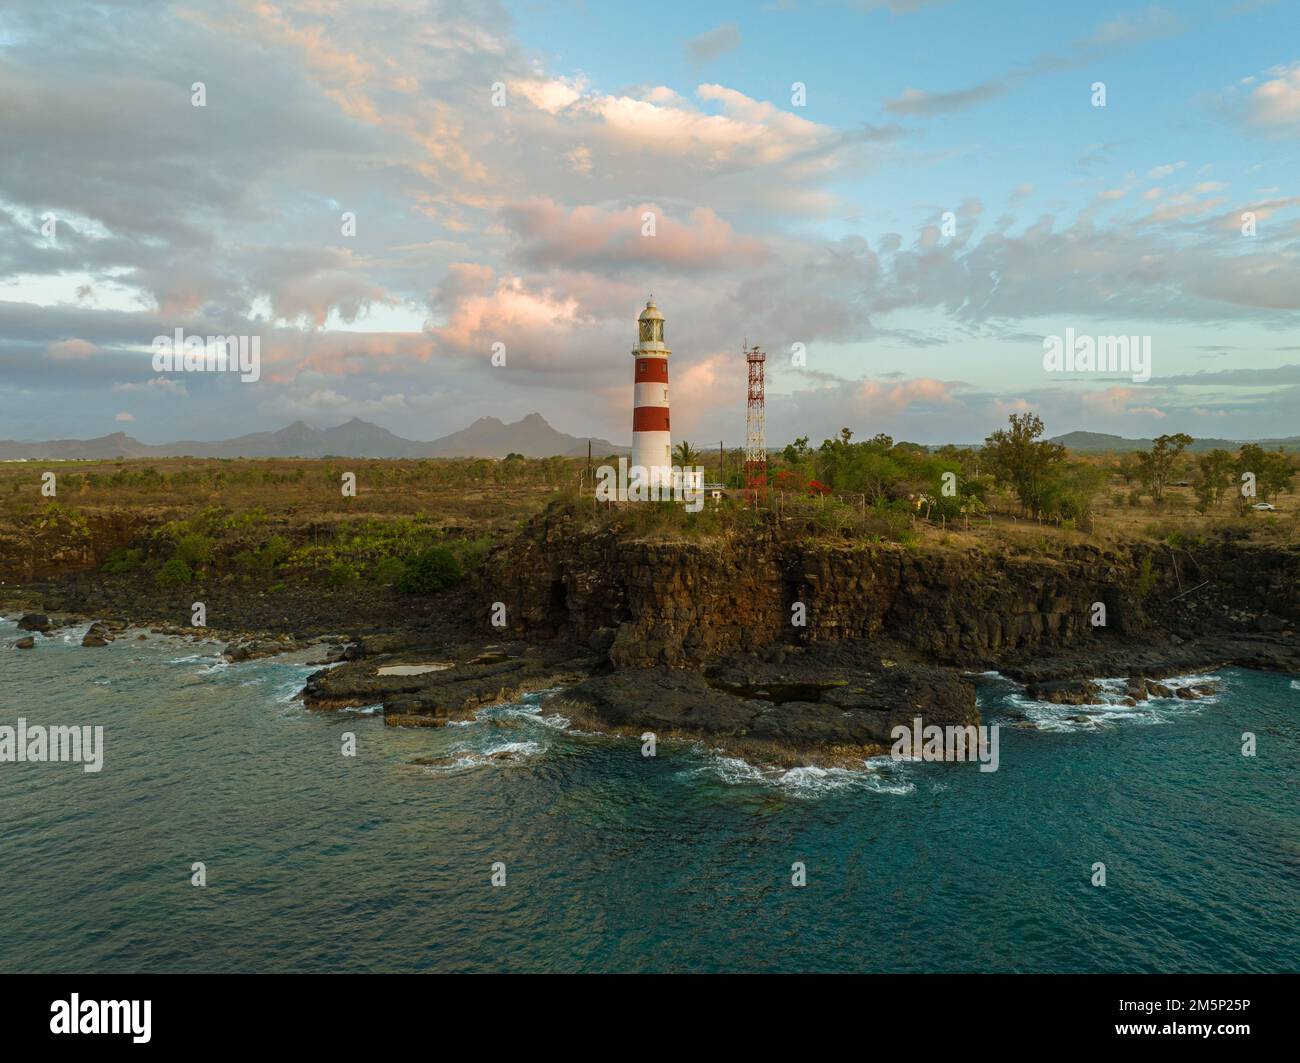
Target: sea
229, 830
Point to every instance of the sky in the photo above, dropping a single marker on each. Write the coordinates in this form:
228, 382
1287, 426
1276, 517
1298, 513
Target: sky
432, 212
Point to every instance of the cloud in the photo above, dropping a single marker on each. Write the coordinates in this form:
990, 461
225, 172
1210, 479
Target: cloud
1120, 400
712, 43
72, 348
920, 103
1120, 32
579, 160
126, 417
1134, 28
1158, 173
589, 237
154, 385
1274, 104
525, 221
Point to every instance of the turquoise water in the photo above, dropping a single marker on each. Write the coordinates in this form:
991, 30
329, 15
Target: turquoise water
615, 861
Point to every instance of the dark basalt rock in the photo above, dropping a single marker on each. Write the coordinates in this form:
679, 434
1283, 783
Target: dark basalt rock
35, 622
1066, 692
857, 705
477, 676
27, 642
689, 604
98, 634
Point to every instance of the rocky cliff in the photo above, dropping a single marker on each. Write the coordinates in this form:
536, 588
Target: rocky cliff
684, 604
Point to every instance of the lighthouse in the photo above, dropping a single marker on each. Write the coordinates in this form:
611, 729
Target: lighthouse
652, 444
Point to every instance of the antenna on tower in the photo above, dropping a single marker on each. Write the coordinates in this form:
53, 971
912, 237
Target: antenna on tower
755, 415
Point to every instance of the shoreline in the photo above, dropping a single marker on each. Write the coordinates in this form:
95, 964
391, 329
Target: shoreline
407, 699
825, 702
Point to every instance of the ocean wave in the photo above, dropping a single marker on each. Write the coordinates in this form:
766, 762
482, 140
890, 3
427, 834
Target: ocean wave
528, 708
877, 775
466, 757
1111, 709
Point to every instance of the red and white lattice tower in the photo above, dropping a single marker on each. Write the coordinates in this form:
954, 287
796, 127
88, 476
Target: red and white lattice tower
652, 443
755, 444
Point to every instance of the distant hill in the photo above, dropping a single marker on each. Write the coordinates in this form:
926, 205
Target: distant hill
487, 437
1094, 442
532, 437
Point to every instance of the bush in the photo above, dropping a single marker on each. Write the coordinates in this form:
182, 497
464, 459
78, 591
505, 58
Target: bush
120, 562
264, 560
194, 549
389, 571
341, 573
175, 573
1146, 577
429, 571
472, 552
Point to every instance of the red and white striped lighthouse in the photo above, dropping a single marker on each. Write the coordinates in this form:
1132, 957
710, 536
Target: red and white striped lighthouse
652, 445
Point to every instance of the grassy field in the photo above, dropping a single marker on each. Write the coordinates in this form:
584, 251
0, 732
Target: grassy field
261, 518
271, 521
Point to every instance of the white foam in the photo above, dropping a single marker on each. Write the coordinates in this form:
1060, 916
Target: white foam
1111, 709
505, 753
877, 775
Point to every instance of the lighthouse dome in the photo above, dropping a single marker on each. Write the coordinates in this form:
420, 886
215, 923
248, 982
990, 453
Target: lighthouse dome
650, 329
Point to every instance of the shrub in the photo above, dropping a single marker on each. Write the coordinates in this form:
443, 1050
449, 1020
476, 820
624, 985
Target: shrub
389, 571
120, 562
429, 571
175, 573
472, 552
1146, 577
194, 549
264, 560
341, 573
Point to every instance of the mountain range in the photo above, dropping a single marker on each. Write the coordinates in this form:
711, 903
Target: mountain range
487, 437
1094, 442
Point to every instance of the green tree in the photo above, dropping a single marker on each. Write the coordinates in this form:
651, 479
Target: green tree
1017, 457
1127, 466
796, 453
1156, 466
1215, 477
429, 571
1276, 475
684, 455
175, 573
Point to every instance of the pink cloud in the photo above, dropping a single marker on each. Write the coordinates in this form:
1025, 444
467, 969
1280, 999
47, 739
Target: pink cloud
589, 236
71, 348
